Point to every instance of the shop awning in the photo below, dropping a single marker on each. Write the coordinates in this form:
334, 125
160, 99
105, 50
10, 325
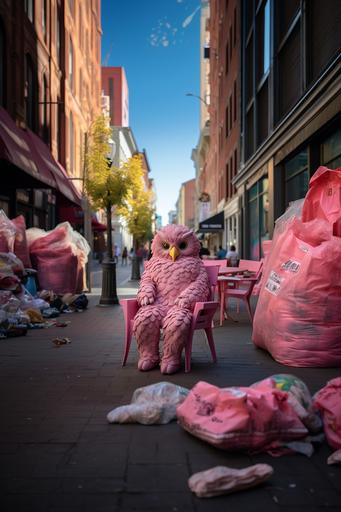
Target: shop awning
48, 164
15, 148
75, 216
213, 224
26, 151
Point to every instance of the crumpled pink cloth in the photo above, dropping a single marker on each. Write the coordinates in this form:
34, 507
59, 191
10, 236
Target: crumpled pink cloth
328, 401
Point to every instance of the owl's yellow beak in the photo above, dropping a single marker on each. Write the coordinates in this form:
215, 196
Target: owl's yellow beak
173, 252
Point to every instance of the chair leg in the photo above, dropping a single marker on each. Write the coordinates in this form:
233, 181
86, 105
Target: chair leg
127, 343
222, 308
188, 351
249, 310
210, 341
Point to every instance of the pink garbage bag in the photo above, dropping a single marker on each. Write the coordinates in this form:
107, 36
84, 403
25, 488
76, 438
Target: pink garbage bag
298, 317
323, 200
240, 418
7, 233
328, 401
20, 242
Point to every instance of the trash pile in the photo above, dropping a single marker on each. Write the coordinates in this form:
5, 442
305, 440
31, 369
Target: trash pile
20, 310
276, 415
58, 259
297, 318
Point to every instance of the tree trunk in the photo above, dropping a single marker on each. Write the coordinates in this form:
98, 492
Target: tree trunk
109, 232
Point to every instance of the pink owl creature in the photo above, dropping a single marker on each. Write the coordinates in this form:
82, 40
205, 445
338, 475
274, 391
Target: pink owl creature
173, 281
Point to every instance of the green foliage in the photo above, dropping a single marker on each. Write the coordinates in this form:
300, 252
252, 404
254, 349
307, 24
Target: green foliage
122, 187
107, 185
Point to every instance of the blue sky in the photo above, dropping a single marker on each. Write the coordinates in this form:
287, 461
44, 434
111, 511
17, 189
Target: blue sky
157, 42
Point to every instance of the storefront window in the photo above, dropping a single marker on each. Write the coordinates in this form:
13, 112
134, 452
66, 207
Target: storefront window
296, 177
331, 151
258, 217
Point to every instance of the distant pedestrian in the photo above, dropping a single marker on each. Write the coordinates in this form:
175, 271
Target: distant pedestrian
233, 256
117, 253
204, 251
221, 254
124, 256
131, 254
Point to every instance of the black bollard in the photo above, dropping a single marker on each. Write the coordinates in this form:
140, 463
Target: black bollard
109, 292
135, 268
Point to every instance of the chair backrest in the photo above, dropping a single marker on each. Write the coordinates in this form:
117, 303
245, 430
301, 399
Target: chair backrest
213, 263
212, 272
254, 266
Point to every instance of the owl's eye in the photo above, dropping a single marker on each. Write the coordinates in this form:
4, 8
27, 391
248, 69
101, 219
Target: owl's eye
182, 245
165, 245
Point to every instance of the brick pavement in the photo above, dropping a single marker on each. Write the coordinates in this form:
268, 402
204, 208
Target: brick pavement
58, 453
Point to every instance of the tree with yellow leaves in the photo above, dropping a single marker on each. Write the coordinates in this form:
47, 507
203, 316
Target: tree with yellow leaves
108, 185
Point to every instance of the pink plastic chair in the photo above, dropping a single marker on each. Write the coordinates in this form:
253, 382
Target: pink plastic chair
202, 319
212, 263
242, 290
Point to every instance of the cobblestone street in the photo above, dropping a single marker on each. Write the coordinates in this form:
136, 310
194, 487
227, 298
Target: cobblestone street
58, 453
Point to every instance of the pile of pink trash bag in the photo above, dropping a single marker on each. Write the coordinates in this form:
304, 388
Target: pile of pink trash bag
298, 317
266, 416
59, 256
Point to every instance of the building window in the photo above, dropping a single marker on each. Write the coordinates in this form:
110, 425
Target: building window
44, 17
227, 58
80, 28
80, 85
71, 65
235, 169
230, 42
230, 107
227, 181
29, 9
30, 94
249, 141
227, 121
235, 101
331, 151
266, 38
235, 27
2, 65
44, 109
289, 57
58, 35
323, 47
258, 217
296, 176
71, 144
72, 7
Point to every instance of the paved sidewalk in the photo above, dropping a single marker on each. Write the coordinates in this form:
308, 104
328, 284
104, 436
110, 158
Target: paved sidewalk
58, 453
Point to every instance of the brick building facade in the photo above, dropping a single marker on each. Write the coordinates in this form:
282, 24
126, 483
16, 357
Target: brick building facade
50, 87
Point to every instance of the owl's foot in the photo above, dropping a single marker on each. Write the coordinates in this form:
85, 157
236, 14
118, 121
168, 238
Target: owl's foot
170, 366
147, 363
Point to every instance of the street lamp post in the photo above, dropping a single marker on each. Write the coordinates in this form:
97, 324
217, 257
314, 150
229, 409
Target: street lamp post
196, 96
109, 290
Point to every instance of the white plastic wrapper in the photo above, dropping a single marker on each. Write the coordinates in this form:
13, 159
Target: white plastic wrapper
154, 404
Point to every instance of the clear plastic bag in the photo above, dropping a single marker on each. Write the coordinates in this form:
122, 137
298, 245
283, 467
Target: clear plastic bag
154, 404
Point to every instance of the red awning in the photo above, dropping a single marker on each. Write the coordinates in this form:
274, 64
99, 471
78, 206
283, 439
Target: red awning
47, 163
75, 216
26, 151
97, 226
15, 147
